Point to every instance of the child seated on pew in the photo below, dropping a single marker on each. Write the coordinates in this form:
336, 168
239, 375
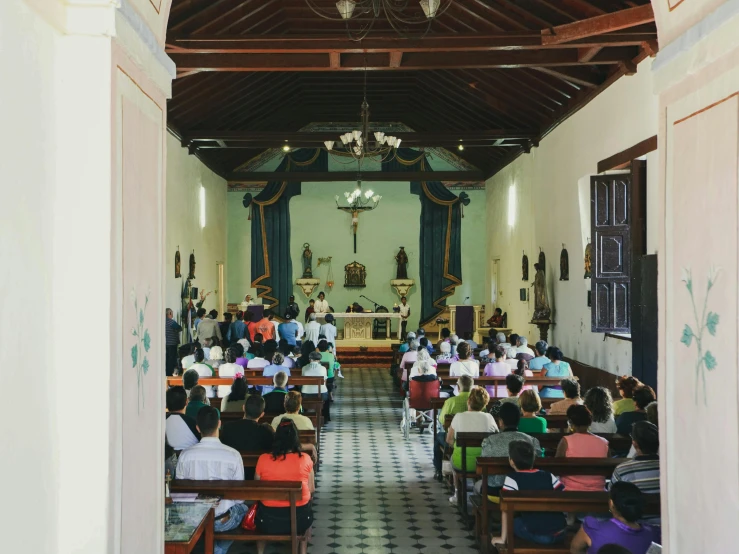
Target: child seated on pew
538, 527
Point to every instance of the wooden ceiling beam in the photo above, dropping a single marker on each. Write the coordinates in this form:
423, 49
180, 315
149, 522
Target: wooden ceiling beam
488, 136
580, 78
368, 176
412, 61
230, 44
606, 23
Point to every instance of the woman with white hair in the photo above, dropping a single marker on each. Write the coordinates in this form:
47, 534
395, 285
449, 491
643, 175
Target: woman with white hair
423, 358
446, 352
409, 358
511, 359
215, 358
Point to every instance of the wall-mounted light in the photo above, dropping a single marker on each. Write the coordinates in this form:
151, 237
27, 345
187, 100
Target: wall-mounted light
511, 205
460, 147
286, 148
202, 207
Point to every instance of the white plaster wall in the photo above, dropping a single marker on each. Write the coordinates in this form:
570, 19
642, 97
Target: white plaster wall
185, 175
28, 108
552, 207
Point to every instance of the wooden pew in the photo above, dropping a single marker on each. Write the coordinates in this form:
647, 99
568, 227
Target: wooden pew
254, 381
250, 459
558, 466
251, 490
548, 441
500, 381
576, 502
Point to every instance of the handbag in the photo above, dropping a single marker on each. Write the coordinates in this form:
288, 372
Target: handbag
250, 519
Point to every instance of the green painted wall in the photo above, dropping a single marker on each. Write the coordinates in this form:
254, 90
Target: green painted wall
315, 219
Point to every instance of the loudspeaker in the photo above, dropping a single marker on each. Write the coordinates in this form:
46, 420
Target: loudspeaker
194, 293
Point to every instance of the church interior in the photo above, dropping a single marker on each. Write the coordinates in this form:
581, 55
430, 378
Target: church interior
486, 250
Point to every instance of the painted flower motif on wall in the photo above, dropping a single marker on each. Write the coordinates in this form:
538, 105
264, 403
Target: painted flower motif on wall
141, 346
705, 360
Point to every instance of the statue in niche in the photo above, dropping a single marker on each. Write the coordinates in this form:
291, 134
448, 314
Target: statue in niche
525, 267
192, 266
177, 264
541, 302
542, 261
355, 275
564, 265
307, 261
402, 259
588, 261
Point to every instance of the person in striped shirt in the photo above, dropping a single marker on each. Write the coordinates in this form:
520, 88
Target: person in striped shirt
643, 470
538, 527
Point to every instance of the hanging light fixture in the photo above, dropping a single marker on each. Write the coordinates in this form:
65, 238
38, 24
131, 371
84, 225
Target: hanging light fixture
409, 18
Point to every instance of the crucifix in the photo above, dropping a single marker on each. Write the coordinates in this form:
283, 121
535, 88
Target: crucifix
358, 202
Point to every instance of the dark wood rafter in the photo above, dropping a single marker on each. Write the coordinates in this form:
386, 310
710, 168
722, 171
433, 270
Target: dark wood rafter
248, 67
333, 176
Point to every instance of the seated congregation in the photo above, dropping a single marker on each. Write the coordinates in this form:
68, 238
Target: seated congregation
533, 463
247, 410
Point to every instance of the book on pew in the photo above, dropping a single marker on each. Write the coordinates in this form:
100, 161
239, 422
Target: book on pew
184, 496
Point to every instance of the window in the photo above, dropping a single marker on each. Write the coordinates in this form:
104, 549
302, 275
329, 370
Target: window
618, 224
202, 207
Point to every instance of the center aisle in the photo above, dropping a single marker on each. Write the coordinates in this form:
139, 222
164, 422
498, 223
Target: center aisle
375, 493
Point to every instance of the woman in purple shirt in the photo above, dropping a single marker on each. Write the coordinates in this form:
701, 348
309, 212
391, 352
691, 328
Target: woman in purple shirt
626, 505
497, 369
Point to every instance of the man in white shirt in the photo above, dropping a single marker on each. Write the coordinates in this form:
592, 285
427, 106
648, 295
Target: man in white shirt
313, 329
271, 317
301, 330
523, 347
210, 460
315, 369
329, 331
181, 430
321, 305
405, 313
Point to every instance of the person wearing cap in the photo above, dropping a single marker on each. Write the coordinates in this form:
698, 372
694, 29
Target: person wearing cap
410, 337
289, 329
292, 308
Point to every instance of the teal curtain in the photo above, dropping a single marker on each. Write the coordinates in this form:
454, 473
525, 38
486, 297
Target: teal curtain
440, 263
271, 263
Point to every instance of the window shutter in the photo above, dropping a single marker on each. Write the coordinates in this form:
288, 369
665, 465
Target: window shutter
610, 217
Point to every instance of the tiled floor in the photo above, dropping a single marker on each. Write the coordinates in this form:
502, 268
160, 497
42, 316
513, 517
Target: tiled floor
375, 493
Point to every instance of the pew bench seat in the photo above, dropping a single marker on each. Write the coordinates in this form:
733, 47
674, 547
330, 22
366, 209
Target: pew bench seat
290, 491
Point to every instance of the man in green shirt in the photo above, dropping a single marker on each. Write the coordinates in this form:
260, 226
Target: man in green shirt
453, 405
198, 399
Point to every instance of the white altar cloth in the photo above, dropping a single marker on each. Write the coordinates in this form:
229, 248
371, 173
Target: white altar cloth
358, 326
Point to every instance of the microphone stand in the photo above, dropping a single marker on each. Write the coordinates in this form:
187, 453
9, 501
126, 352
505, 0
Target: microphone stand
369, 299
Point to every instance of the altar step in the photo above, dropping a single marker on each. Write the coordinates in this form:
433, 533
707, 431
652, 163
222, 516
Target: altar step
360, 356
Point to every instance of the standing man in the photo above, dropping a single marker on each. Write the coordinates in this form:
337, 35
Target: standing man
310, 309
312, 330
321, 305
237, 328
292, 308
225, 326
405, 312
288, 330
172, 340
209, 328
263, 327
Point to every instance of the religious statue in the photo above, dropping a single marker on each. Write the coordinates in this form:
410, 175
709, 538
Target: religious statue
355, 275
541, 302
525, 267
564, 265
402, 259
192, 266
588, 263
542, 260
307, 261
177, 263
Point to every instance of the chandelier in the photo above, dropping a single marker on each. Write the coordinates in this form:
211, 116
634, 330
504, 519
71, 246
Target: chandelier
403, 15
357, 143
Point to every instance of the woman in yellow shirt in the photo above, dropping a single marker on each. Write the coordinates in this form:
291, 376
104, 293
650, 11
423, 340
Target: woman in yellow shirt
626, 385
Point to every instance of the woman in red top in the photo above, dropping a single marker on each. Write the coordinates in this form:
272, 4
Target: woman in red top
285, 463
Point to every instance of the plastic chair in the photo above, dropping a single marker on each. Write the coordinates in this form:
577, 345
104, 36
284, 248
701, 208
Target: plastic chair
419, 398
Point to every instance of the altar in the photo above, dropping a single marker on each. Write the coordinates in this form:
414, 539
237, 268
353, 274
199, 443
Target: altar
358, 326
